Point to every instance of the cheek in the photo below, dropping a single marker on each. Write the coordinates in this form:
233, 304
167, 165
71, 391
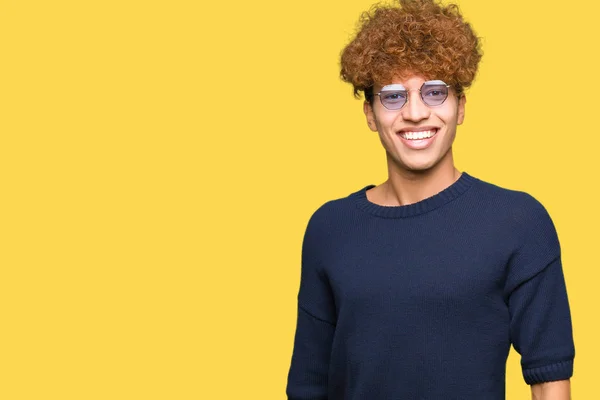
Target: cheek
385, 120
448, 115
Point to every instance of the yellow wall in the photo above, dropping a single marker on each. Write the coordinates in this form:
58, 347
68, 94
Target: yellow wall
159, 162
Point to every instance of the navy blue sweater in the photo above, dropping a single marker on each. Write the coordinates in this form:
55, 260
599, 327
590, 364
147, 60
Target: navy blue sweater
423, 301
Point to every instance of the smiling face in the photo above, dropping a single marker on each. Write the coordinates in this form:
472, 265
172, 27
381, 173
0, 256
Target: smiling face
417, 137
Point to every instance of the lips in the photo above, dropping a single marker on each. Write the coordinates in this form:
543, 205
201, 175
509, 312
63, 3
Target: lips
421, 134
418, 138
416, 131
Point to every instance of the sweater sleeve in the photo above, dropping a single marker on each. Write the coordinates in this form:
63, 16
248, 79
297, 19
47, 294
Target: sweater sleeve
308, 373
540, 319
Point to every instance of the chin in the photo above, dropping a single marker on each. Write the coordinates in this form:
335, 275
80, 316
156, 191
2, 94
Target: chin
419, 166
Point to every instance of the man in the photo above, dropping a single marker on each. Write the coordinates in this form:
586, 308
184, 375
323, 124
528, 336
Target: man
417, 287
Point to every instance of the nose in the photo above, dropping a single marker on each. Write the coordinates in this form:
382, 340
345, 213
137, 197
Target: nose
415, 110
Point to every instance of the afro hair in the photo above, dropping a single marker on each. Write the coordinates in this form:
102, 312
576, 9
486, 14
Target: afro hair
420, 37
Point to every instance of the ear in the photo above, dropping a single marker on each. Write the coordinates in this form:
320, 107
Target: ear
461, 109
368, 110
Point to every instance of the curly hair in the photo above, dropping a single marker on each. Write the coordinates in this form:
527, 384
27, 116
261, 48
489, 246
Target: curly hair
421, 37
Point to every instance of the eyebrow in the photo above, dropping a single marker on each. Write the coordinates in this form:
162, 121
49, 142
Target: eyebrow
397, 86
436, 82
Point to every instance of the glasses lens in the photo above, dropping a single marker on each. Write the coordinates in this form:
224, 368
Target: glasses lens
434, 94
393, 99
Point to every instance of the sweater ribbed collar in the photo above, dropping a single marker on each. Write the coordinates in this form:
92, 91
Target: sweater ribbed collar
460, 186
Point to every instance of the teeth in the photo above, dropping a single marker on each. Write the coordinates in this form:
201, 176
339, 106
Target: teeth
417, 135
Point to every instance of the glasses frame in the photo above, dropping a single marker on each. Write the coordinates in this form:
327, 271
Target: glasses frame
438, 83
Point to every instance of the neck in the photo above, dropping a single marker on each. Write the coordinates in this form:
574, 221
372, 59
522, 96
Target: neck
406, 187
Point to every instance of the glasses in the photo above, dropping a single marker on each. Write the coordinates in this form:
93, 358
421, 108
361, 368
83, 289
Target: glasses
395, 96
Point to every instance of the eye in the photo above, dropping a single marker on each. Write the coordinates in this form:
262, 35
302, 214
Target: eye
435, 91
395, 96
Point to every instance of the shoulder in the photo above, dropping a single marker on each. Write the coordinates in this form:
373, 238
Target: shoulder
519, 205
527, 219
334, 214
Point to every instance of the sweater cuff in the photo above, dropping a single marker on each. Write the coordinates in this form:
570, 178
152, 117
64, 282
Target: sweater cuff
548, 373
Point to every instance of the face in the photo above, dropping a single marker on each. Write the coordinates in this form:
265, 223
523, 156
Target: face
400, 130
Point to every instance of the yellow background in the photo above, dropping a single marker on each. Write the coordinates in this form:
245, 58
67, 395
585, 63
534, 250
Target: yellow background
159, 161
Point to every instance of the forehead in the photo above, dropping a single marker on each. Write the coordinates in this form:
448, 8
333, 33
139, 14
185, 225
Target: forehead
399, 86
410, 82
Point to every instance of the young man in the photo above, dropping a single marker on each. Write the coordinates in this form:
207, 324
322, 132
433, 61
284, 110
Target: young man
417, 287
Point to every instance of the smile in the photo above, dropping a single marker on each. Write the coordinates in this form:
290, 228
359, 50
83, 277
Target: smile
416, 135
418, 139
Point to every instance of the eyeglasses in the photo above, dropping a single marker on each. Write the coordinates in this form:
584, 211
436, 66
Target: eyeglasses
395, 96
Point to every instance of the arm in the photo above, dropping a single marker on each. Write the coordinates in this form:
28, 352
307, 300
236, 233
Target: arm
540, 319
558, 390
308, 373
